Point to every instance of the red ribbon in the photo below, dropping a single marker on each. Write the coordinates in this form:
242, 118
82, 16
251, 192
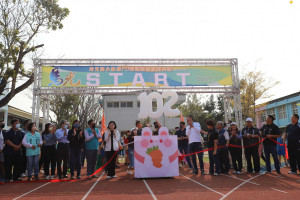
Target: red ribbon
236, 146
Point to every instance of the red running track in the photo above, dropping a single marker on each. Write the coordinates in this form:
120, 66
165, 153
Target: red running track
186, 186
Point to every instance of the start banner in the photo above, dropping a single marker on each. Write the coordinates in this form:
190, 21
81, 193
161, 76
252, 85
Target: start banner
133, 76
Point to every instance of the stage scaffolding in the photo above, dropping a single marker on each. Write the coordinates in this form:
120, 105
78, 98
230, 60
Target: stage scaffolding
42, 93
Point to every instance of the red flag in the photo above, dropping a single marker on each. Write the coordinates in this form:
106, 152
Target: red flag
103, 125
181, 117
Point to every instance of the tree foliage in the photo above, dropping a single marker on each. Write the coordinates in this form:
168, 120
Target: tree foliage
81, 107
254, 86
203, 111
20, 22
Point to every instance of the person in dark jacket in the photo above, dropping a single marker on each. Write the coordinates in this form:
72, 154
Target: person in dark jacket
50, 154
251, 138
12, 151
236, 152
76, 138
212, 143
292, 134
271, 132
223, 143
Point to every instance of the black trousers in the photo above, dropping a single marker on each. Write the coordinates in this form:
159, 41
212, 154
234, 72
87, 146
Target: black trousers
24, 160
294, 157
236, 155
63, 154
42, 159
12, 161
112, 164
49, 156
252, 152
224, 160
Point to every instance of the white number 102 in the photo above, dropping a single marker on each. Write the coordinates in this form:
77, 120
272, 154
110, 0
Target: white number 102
146, 108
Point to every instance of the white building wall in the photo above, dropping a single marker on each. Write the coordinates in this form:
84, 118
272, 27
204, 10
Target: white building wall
125, 118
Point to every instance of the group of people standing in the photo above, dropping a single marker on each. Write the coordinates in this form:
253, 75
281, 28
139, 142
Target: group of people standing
56, 149
226, 141
62, 148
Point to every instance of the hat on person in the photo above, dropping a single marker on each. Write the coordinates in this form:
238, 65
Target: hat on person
248, 119
233, 123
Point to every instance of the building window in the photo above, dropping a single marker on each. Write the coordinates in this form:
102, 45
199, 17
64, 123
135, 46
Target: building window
263, 117
282, 112
109, 104
128, 104
123, 105
294, 108
271, 112
138, 104
116, 104
113, 104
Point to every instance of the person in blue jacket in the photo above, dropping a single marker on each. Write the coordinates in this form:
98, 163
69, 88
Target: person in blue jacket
92, 135
32, 141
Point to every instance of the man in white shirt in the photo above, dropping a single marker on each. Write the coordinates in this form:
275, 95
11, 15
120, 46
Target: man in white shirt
193, 132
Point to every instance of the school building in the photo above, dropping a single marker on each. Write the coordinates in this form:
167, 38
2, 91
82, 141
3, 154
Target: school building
282, 109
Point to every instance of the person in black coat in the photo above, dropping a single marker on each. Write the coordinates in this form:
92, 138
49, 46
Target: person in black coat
271, 132
76, 138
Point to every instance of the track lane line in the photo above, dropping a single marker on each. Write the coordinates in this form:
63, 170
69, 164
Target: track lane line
31, 191
90, 190
240, 179
237, 187
279, 190
149, 189
202, 185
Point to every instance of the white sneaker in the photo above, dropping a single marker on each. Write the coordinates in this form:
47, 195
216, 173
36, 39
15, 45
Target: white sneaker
129, 172
115, 176
180, 165
47, 177
23, 175
109, 177
235, 172
238, 172
52, 177
291, 172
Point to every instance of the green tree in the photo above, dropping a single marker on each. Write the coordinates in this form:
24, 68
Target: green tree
81, 107
20, 22
201, 112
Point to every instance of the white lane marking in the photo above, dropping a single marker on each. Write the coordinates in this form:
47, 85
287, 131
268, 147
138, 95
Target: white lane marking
31, 191
278, 176
237, 187
278, 190
240, 179
202, 185
87, 194
149, 189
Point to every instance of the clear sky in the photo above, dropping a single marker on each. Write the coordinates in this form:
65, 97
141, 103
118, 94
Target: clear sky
261, 33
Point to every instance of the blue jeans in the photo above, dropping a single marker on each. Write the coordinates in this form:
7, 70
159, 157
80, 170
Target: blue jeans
271, 149
214, 162
33, 162
186, 151
75, 154
131, 156
195, 147
91, 158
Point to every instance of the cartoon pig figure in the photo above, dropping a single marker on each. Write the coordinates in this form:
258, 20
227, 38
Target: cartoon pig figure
155, 156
